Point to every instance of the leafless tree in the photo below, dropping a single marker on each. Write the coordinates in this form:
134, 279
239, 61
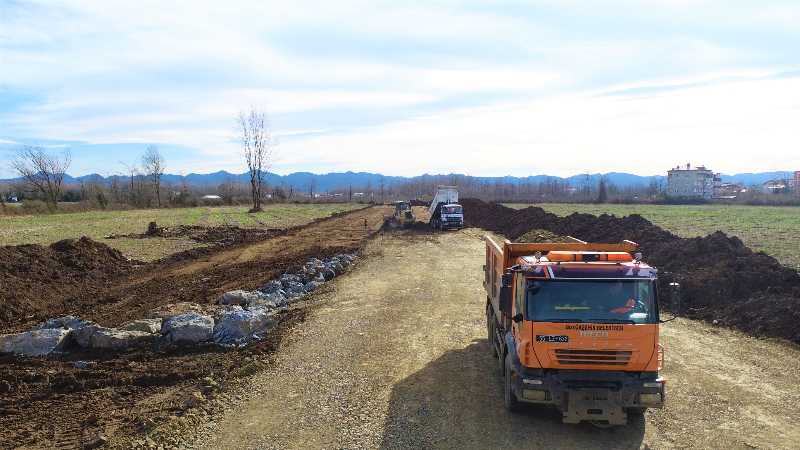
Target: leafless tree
153, 164
257, 148
42, 171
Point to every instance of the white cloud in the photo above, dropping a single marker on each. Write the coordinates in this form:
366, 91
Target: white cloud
177, 72
730, 127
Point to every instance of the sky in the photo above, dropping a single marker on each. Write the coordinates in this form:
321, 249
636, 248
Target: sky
404, 88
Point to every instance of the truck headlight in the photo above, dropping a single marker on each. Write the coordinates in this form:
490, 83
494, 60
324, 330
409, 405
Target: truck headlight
650, 399
534, 395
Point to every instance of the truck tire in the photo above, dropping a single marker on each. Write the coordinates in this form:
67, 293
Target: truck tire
501, 359
509, 397
490, 329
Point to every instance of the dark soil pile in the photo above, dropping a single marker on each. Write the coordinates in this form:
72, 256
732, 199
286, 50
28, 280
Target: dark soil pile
721, 278
220, 235
32, 275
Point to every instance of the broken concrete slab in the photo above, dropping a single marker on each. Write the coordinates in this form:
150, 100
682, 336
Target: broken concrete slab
102, 338
36, 342
239, 327
152, 326
188, 328
65, 322
239, 297
271, 287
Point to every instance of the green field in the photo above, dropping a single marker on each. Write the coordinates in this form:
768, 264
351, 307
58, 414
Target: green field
774, 230
49, 228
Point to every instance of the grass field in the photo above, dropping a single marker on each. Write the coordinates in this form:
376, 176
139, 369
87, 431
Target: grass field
49, 228
774, 230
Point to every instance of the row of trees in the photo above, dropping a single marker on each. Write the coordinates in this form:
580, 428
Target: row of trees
43, 177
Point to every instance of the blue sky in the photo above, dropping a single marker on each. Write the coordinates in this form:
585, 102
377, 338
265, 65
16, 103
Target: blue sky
486, 88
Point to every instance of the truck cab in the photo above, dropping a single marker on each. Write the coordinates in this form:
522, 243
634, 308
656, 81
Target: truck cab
449, 217
576, 326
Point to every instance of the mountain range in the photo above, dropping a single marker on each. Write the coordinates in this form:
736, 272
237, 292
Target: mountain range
361, 180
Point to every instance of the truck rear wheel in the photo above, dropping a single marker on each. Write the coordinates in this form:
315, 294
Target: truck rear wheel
490, 329
510, 398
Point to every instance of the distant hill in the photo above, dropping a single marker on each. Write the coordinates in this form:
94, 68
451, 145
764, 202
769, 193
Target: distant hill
341, 180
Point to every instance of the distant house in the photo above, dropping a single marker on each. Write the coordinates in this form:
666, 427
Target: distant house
211, 199
688, 182
729, 190
776, 187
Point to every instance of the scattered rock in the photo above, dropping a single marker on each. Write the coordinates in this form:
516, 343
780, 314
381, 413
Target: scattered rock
239, 297
271, 287
270, 301
35, 343
102, 338
65, 322
239, 327
82, 364
288, 278
311, 286
329, 274
188, 328
152, 326
294, 289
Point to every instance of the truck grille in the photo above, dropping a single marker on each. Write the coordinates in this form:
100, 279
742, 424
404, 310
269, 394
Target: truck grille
593, 357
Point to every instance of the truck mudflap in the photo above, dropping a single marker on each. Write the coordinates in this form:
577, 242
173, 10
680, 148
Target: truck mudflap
582, 395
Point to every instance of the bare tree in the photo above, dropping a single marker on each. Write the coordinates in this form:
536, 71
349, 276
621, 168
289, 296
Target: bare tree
42, 171
153, 164
257, 149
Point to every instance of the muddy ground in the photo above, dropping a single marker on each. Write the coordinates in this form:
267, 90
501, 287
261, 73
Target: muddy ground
51, 403
395, 356
722, 280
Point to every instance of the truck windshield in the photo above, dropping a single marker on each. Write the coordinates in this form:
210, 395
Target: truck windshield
452, 210
596, 301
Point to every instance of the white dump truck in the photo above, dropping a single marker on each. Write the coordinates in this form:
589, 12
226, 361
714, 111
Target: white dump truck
446, 213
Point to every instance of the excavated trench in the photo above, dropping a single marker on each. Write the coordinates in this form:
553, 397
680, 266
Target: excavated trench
721, 279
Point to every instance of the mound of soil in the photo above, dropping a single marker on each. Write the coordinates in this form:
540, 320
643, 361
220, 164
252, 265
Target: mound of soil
31, 275
540, 236
220, 235
721, 278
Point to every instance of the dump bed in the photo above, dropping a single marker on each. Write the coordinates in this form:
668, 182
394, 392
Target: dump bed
444, 195
502, 255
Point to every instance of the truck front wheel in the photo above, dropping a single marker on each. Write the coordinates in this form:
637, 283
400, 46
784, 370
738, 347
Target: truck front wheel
510, 398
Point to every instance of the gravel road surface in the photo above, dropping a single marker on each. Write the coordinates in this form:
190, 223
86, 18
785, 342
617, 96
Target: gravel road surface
395, 356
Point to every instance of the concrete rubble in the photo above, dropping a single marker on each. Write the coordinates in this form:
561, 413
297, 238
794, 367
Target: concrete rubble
34, 343
186, 329
152, 326
238, 326
102, 338
240, 318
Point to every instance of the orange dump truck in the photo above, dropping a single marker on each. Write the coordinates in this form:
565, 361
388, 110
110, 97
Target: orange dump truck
575, 325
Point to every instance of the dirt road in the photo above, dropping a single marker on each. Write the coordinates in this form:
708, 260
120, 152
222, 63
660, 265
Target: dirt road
396, 357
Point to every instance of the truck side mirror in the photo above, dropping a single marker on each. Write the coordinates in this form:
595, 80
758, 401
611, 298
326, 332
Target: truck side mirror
505, 300
508, 279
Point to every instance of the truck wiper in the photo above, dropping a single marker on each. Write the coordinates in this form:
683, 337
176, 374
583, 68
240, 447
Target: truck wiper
560, 320
612, 321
